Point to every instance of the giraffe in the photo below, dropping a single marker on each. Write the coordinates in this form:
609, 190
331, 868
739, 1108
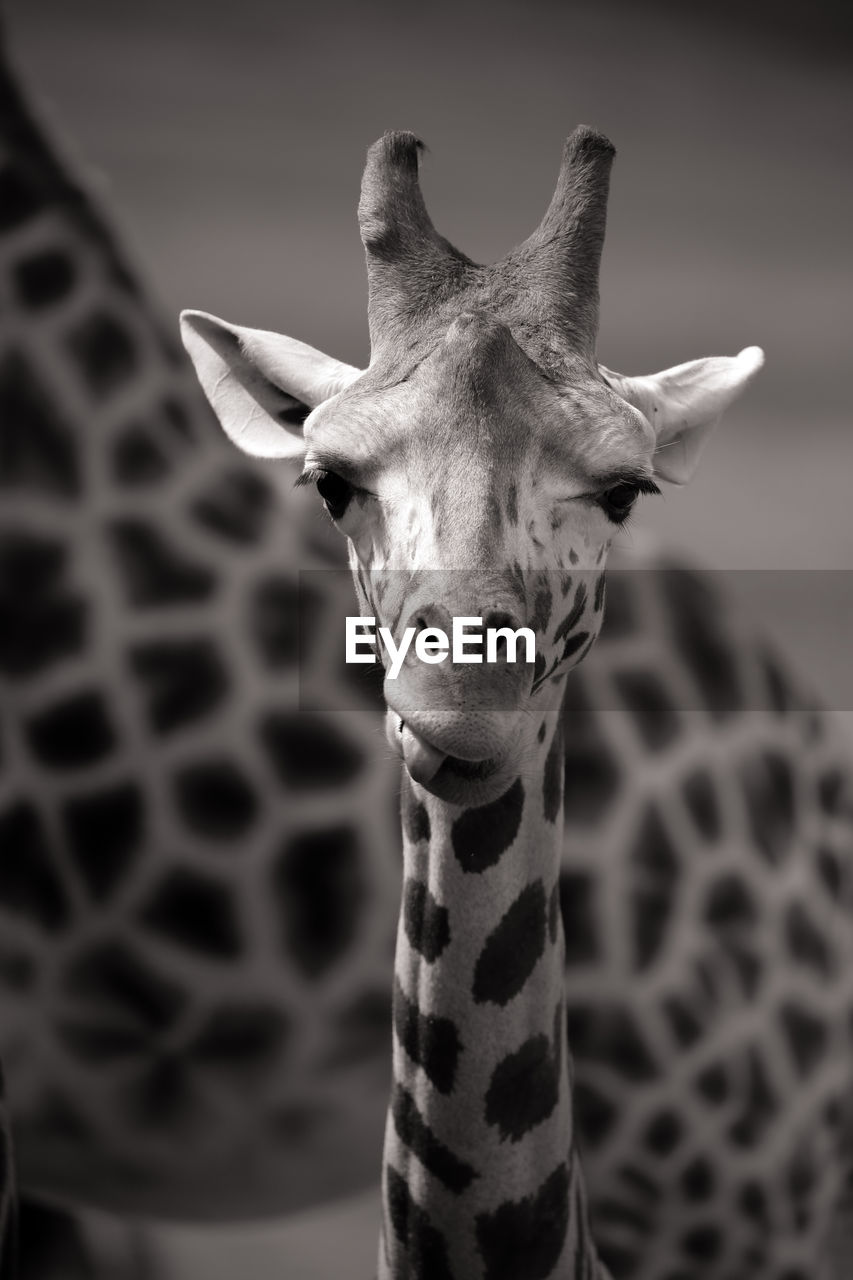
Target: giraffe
198, 869
693, 961
117, 1095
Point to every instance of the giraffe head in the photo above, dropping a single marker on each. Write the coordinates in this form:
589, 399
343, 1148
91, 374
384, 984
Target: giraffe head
482, 463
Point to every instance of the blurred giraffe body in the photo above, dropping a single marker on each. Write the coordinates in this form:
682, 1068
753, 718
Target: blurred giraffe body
198, 880
693, 944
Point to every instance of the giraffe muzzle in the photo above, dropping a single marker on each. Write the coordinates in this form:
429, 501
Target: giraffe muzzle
422, 759
433, 768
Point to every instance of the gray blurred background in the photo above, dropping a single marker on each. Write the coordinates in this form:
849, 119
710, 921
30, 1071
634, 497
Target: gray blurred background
229, 139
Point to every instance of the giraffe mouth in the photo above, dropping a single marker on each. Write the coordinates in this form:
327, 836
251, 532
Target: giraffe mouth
472, 770
424, 761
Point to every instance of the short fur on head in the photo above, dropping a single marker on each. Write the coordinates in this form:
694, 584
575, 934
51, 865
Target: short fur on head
483, 435
549, 283
545, 292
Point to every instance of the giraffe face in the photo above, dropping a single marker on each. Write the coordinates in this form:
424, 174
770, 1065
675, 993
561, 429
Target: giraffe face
479, 487
482, 464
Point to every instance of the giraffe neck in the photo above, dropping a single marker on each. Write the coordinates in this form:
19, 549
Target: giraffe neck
481, 1177
38, 183
94, 392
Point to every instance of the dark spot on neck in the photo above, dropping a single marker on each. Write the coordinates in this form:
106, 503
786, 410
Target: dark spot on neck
43, 278
663, 1132
426, 923
215, 800
182, 681
513, 948
580, 910
41, 621
309, 752
235, 507
75, 732
319, 888
455, 1174
424, 1247
806, 1035
768, 789
481, 836
524, 1088
656, 719
526, 1237
38, 449
29, 884
609, 1035
705, 650
155, 574
655, 874
700, 796
415, 818
194, 911
104, 352
104, 830
138, 457
431, 1042
20, 198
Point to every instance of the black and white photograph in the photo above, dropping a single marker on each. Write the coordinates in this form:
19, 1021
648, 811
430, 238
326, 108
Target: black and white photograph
426, 619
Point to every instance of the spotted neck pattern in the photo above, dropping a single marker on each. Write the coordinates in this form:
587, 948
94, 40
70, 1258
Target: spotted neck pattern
481, 1173
191, 861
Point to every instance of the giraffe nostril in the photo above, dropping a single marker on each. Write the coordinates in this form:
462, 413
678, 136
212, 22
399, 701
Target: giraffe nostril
495, 620
431, 615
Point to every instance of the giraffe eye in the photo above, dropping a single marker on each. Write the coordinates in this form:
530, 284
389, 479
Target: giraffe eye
335, 492
617, 502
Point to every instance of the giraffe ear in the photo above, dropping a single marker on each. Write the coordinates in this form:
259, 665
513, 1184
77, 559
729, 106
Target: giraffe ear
261, 385
685, 403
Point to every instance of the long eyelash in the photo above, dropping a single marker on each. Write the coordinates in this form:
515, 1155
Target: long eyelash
643, 484
317, 473
309, 477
